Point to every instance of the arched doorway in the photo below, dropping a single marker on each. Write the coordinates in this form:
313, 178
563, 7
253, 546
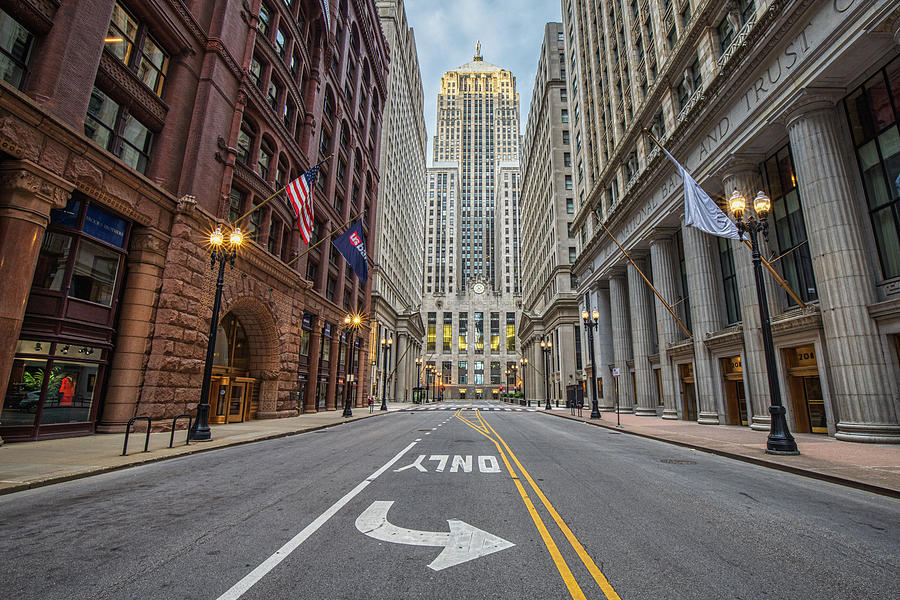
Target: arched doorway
233, 394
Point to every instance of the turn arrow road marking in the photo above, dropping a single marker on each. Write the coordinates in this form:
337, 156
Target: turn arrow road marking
462, 544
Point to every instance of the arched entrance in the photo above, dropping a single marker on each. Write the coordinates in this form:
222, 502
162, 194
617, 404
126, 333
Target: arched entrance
233, 393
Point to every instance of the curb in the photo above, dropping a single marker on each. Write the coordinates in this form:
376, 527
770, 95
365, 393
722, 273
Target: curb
868, 487
154, 459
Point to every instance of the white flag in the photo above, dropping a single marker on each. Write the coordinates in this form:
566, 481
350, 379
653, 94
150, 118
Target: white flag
699, 209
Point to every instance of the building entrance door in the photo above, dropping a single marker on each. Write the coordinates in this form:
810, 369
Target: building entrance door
805, 386
688, 393
735, 399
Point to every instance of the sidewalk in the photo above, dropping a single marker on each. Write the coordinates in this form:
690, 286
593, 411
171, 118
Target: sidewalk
27, 465
872, 467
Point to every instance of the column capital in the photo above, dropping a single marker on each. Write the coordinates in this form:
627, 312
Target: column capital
741, 164
36, 189
809, 101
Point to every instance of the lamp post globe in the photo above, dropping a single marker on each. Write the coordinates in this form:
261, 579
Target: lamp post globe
780, 440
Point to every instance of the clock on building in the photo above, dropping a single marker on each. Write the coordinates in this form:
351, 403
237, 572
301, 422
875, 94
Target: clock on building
478, 288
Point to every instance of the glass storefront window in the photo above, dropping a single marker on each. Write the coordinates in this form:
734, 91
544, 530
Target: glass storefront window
23, 394
50, 270
94, 276
70, 392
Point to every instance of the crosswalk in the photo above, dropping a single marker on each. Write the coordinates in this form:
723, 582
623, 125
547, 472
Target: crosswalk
455, 407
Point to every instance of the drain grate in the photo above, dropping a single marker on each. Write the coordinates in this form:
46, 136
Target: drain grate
675, 461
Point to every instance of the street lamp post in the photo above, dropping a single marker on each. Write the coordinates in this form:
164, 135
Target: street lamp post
780, 440
546, 347
200, 430
524, 362
351, 322
385, 351
592, 320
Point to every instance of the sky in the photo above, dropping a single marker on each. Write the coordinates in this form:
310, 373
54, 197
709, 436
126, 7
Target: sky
510, 31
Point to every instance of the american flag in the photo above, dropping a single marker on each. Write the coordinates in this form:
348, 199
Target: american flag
300, 195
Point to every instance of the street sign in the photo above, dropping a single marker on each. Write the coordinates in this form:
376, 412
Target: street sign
615, 372
462, 544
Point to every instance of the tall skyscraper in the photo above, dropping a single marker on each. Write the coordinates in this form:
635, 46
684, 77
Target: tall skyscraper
472, 256
549, 295
397, 260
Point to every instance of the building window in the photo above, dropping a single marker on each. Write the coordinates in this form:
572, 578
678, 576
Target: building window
495, 333
81, 254
462, 372
431, 332
235, 204
15, 47
789, 225
572, 254
568, 182
265, 20
479, 333
246, 138
124, 35
448, 332
463, 340
511, 331
565, 136
112, 127
874, 111
565, 116
729, 281
495, 372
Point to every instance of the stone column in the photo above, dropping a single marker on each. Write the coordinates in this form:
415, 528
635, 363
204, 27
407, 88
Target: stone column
603, 347
27, 195
312, 382
742, 174
621, 339
403, 354
702, 269
641, 332
665, 273
146, 261
861, 396
333, 368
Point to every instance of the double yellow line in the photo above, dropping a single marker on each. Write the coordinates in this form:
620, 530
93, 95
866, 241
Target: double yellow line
486, 430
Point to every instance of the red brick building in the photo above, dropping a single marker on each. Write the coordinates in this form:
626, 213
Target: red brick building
128, 131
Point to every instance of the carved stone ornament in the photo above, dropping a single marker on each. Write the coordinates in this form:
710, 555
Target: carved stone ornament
23, 180
186, 203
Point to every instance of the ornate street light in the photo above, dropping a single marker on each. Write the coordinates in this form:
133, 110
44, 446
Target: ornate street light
546, 347
218, 253
385, 350
524, 362
592, 320
780, 440
352, 322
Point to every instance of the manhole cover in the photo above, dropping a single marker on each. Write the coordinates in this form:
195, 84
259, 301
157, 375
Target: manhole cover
675, 461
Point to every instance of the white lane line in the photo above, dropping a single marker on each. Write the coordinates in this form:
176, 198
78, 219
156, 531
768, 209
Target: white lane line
238, 589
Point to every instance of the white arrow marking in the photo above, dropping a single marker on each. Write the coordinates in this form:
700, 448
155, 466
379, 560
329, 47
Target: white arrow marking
462, 544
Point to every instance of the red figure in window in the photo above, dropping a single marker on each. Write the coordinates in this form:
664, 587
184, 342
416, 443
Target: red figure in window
66, 391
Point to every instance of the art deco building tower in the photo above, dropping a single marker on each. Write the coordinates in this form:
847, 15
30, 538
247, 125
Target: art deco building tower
472, 255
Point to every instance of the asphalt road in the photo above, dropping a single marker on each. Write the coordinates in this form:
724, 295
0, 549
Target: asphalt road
559, 509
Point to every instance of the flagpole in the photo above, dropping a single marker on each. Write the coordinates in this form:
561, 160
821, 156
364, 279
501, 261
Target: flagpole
327, 236
266, 201
767, 264
644, 277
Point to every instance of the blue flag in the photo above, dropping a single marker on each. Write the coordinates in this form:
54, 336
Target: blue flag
352, 247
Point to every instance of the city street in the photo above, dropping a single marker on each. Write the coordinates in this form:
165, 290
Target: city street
459, 500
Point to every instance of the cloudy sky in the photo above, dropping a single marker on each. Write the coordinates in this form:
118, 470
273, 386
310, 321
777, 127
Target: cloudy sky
511, 32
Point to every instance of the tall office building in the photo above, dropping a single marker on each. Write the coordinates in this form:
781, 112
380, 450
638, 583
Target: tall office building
472, 255
397, 261
798, 99
549, 294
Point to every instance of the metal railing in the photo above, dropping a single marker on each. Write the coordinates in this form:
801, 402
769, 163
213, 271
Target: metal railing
132, 420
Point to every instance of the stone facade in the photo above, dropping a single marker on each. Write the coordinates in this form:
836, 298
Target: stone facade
752, 95
133, 172
550, 299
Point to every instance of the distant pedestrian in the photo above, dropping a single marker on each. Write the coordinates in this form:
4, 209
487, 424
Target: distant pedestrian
371, 404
